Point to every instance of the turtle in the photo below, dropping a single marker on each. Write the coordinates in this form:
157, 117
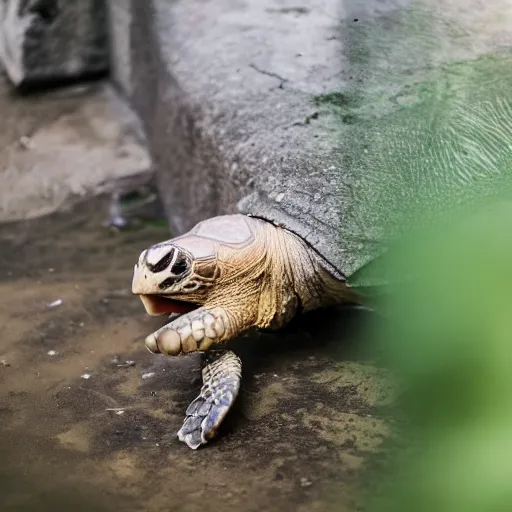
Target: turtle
227, 275
425, 129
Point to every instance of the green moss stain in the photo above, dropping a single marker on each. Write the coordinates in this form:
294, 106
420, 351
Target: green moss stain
336, 99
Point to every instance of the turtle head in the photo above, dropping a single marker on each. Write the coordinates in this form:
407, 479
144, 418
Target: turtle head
175, 276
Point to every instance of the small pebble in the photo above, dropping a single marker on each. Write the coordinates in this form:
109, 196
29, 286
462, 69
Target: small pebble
52, 352
148, 375
26, 142
126, 364
55, 303
304, 482
117, 221
119, 413
3, 362
86, 376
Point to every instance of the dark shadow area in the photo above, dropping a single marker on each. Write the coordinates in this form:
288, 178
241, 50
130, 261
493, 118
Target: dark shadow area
49, 84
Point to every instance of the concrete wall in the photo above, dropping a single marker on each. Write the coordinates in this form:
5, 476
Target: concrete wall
48, 41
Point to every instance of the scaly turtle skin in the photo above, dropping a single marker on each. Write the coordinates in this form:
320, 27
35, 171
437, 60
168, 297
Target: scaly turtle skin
227, 275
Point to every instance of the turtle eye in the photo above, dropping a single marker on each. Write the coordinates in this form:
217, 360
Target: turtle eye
181, 265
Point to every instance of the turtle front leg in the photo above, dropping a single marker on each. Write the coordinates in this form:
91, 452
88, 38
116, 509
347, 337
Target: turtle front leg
193, 331
222, 369
222, 375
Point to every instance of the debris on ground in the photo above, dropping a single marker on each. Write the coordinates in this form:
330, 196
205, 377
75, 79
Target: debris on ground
304, 482
116, 361
26, 142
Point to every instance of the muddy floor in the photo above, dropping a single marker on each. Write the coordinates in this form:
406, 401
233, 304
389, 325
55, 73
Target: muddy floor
88, 417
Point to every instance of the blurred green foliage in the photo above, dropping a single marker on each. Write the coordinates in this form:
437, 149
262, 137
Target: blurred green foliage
449, 340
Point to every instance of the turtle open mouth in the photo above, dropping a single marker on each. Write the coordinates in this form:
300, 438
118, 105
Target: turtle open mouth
159, 305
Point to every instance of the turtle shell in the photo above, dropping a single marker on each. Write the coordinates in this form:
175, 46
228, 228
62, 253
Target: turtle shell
420, 124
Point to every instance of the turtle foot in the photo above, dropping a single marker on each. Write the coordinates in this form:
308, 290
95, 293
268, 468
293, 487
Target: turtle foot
222, 374
196, 330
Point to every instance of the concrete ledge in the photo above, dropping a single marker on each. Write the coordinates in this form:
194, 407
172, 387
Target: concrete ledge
226, 94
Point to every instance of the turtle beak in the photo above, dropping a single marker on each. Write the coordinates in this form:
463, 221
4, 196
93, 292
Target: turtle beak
144, 281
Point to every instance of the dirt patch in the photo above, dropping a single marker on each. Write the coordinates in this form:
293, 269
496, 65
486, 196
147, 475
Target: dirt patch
81, 428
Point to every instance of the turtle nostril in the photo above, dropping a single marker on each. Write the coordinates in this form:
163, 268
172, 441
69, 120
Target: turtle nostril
158, 258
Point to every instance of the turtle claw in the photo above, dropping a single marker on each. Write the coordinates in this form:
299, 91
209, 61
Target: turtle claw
222, 373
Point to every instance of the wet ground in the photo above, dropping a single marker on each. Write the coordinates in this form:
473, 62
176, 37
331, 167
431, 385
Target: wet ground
88, 417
